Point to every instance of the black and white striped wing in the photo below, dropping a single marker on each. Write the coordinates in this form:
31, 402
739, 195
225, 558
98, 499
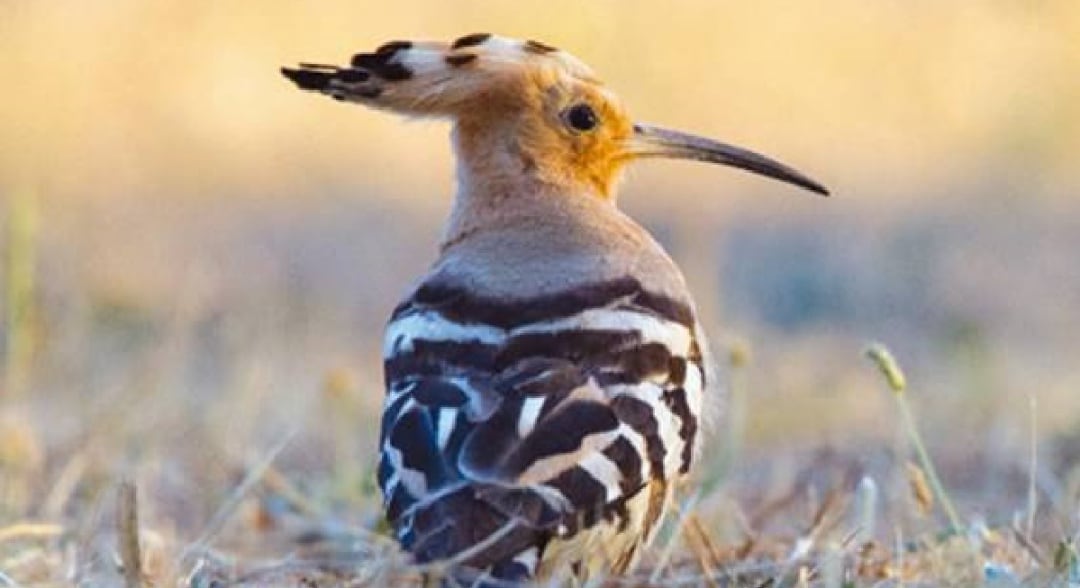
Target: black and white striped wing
537, 418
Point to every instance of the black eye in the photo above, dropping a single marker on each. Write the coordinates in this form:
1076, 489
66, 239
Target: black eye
581, 117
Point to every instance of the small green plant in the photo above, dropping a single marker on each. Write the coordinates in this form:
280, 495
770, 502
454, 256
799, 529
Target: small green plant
894, 377
19, 291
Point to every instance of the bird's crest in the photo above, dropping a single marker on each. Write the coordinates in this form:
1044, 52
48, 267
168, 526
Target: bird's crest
523, 111
554, 118
477, 71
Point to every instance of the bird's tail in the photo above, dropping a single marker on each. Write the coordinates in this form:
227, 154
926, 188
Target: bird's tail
487, 534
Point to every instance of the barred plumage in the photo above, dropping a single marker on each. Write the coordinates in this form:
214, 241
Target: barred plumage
546, 380
577, 401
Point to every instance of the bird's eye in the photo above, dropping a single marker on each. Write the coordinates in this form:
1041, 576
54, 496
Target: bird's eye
581, 117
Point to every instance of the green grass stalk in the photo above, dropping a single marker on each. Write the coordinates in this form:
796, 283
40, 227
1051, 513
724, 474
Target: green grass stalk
1033, 494
19, 290
894, 377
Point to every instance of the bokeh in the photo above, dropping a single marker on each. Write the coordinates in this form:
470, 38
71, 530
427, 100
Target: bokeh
212, 253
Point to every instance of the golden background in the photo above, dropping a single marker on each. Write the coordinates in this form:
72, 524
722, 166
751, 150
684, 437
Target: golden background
215, 252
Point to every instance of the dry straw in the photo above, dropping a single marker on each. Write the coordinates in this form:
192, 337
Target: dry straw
127, 523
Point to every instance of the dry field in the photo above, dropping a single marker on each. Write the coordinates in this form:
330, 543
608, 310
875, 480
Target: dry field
197, 262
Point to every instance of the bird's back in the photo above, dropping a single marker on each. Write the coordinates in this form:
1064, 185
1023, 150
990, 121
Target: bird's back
544, 383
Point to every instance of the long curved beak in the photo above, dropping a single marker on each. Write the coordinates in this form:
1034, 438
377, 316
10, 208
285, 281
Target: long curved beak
651, 141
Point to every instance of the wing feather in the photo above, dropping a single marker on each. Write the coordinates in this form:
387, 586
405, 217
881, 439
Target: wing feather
551, 424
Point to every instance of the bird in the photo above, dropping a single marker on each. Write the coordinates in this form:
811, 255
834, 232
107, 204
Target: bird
548, 382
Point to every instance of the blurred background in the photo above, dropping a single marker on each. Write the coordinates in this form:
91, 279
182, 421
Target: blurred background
199, 258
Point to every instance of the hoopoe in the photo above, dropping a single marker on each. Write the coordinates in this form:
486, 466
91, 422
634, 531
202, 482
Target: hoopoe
546, 380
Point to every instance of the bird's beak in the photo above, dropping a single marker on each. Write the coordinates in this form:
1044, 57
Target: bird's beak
651, 141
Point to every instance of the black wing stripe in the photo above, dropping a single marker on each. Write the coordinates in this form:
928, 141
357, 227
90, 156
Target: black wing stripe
440, 359
676, 370
414, 435
390, 416
400, 500
584, 492
623, 454
486, 446
439, 393
615, 356
439, 529
572, 345
541, 376
638, 414
647, 361
457, 304
563, 432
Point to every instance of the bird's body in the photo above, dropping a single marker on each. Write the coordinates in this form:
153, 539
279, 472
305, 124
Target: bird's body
547, 378
553, 363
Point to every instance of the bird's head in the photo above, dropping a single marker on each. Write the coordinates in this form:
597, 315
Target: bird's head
521, 109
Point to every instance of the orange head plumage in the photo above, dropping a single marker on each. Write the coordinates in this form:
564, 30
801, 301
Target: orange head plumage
522, 110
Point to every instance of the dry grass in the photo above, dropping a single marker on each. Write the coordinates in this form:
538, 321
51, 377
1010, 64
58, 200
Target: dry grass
214, 439
124, 505
266, 548
205, 444
194, 293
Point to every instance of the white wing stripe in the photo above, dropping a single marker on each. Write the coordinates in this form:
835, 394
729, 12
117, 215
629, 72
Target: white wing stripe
672, 335
445, 426
414, 481
530, 411
604, 471
431, 326
667, 422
